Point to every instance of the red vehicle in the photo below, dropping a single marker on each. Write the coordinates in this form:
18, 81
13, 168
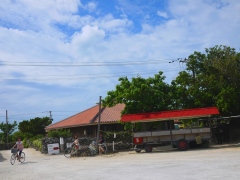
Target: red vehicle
166, 133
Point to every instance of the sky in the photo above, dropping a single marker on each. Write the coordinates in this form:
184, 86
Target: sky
59, 56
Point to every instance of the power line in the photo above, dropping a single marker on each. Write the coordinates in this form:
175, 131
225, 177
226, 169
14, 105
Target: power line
27, 114
123, 63
85, 76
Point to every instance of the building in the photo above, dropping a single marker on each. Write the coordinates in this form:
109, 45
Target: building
85, 123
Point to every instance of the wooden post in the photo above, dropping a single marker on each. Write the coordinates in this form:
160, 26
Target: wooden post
99, 119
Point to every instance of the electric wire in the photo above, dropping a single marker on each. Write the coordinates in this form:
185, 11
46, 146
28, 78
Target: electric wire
84, 76
97, 63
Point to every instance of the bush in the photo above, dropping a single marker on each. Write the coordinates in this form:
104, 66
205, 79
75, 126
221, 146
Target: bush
124, 136
60, 133
25, 143
37, 144
17, 134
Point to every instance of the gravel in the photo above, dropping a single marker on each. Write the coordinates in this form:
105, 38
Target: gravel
215, 162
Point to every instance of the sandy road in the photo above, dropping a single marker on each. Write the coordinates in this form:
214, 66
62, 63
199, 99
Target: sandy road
219, 162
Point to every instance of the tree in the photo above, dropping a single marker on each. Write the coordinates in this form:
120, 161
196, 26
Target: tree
191, 87
226, 62
140, 95
34, 126
7, 129
210, 79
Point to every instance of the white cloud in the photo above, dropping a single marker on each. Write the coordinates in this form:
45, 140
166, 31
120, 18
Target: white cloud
88, 35
90, 6
113, 25
162, 14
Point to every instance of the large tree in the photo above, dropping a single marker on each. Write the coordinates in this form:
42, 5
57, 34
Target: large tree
34, 126
210, 79
226, 62
141, 95
7, 129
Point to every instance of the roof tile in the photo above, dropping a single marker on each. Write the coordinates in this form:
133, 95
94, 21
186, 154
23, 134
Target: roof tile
89, 116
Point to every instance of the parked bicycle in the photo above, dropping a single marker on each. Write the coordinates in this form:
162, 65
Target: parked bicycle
104, 146
15, 156
73, 148
69, 150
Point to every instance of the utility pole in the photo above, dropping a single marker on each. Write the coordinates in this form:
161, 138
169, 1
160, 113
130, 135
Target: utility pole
7, 126
99, 118
50, 115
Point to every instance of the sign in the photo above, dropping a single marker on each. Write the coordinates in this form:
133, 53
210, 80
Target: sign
53, 148
138, 140
61, 140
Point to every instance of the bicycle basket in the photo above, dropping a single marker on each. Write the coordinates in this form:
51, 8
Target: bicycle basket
14, 150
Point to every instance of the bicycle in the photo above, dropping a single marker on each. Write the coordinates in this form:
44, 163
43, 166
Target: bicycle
68, 151
15, 156
72, 148
104, 146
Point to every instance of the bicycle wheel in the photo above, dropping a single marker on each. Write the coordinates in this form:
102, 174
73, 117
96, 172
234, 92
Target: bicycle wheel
104, 146
12, 159
67, 152
22, 158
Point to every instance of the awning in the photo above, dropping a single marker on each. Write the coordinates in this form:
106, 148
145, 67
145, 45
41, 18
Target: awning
170, 115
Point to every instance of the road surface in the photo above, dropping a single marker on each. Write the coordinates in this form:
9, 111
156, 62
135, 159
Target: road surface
218, 162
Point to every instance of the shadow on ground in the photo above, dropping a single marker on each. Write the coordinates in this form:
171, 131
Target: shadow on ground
2, 158
169, 149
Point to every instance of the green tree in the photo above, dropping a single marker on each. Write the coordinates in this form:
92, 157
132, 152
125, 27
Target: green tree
7, 128
140, 95
34, 126
210, 79
226, 63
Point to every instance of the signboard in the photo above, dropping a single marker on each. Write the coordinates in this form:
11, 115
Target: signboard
61, 140
53, 148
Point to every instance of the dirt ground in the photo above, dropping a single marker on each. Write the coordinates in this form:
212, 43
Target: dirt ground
216, 162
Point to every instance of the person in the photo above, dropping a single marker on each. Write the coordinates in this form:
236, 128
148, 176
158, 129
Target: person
101, 141
76, 142
19, 146
219, 133
225, 128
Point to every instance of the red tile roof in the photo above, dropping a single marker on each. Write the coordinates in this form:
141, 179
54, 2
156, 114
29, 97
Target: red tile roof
170, 115
111, 114
90, 116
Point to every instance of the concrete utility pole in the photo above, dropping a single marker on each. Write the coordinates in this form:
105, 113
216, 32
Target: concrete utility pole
99, 118
7, 126
50, 115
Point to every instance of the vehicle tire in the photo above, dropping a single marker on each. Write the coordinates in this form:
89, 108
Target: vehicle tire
183, 145
12, 159
138, 150
67, 152
148, 148
174, 145
22, 158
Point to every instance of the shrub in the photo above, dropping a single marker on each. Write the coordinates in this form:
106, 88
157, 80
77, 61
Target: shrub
37, 144
60, 133
124, 136
25, 143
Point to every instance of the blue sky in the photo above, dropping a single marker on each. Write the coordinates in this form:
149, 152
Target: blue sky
61, 55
